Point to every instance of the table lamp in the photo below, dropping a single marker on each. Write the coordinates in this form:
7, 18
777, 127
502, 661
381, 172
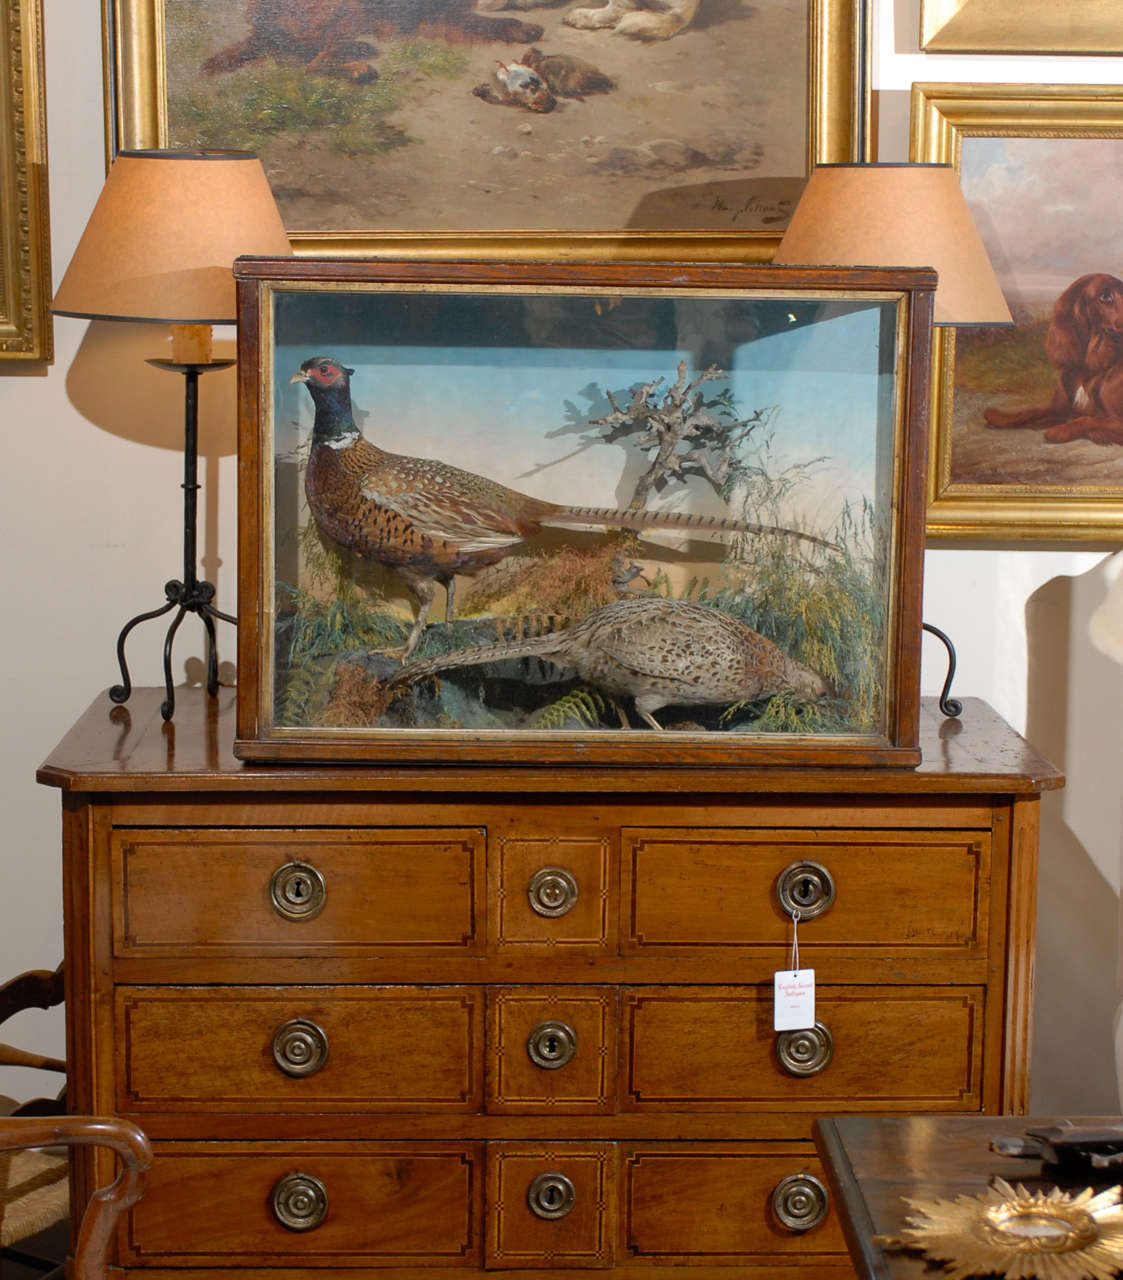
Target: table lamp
899, 215
159, 248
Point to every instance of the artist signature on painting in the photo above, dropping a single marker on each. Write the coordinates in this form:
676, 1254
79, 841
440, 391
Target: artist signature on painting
763, 212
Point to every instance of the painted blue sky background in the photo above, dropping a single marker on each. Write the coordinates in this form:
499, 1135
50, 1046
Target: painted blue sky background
516, 413
1046, 208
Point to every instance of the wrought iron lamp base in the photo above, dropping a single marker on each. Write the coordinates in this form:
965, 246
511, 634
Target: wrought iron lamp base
193, 598
189, 595
949, 706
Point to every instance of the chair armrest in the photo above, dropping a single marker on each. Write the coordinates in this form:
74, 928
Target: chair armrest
36, 989
107, 1203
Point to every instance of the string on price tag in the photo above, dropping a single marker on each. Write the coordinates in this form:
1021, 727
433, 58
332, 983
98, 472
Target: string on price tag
793, 991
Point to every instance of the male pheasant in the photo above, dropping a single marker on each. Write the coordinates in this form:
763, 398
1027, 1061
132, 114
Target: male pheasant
430, 520
659, 652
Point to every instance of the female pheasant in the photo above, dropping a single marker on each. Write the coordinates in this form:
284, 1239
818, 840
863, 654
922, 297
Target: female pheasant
660, 652
430, 520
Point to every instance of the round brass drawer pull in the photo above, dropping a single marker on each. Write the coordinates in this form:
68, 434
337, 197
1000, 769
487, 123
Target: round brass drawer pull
551, 1045
551, 1195
300, 1047
805, 1053
297, 891
800, 1201
300, 1201
806, 887
552, 891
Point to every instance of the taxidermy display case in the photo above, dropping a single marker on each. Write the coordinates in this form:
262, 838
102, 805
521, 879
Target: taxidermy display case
546, 513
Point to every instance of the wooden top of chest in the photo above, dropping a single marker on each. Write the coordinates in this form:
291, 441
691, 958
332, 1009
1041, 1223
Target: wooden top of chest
130, 749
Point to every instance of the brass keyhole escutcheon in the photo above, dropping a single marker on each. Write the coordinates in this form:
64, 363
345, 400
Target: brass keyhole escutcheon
806, 887
805, 1052
800, 1201
551, 1195
297, 891
299, 1201
552, 891
551, 1045
300, 1047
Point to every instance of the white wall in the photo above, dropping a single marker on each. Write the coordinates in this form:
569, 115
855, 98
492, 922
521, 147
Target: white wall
90, 497
1019, 617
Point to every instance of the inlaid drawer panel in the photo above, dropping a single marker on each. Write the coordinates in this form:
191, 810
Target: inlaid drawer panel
330, 1048
505, 1205
229, 892
310, 1205
554, 894
725, 1204
874, 1048
564, 1050
551, 1204
552, 1049
896, 891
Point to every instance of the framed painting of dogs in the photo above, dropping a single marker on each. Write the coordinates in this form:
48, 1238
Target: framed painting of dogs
1027, 420
574, 129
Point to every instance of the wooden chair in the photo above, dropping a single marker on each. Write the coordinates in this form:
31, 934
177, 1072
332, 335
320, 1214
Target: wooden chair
34, 1176
37, 989
24, 1134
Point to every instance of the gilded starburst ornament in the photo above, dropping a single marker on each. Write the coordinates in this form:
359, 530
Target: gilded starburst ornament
1053, 1235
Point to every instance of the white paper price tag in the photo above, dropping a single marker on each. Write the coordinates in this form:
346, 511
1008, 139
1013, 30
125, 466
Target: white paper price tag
793, 999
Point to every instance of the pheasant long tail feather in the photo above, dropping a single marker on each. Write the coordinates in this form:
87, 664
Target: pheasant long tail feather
684, 520
533, 646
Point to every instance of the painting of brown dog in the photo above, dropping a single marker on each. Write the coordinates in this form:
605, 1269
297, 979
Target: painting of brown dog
1085, 345
1027, 417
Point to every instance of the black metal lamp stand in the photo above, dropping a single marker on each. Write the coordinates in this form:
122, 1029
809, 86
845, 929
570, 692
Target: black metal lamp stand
191, 595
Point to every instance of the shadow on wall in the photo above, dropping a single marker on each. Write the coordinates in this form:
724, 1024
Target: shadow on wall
1075, 718
112, 385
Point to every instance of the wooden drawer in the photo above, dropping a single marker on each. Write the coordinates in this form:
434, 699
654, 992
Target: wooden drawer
552, 1049
554, 894
890, 1049
418, 1204
246, 1048
529, 1182
405, 892
211, 892
388, 1204
720, 1204
548, 1050
894, 891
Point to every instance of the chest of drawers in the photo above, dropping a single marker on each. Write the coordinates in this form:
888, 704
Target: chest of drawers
404, 1019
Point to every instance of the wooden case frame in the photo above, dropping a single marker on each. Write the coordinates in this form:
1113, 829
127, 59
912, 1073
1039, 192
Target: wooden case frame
293, 309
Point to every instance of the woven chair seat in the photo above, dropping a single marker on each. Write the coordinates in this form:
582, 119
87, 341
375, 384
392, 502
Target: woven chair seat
34, 1193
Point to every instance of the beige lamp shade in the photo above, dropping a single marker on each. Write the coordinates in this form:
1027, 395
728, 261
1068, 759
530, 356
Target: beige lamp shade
898, 215
161, 242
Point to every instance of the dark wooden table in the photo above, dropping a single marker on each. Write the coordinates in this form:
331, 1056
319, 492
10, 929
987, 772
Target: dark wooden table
872, 1161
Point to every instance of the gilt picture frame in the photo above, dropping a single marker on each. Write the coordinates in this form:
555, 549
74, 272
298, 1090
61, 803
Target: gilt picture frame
1023, 444
1020, 27
26, 332
559, 514
693, 146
